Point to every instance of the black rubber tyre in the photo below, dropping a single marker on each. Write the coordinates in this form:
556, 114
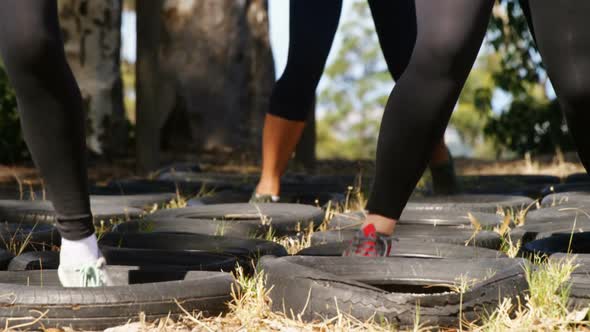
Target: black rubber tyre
142, 186
454, 235
154, 292
209, 178
566, 187
581, 198
235, 196
411, 217
186, 167
5, 258
35, 260
390, 288
234, 228
285, 219
579, 292
33, 212
411, 248
140, 201
135, 250
17, 237
185, 249
578, 243
532, 232
564, 212
523, 185
577, 178
468, 203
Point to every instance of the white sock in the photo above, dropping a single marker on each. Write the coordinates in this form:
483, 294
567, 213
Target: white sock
79, 252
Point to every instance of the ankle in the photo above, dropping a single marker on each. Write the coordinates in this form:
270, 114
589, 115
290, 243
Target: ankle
270, 186
382, 224
79, 252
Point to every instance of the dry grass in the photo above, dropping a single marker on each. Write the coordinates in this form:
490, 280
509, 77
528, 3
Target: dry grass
250, 310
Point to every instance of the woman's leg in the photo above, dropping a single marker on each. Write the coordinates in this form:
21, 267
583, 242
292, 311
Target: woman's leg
450, 33
51, 117
397, 37
312, 27
563, 39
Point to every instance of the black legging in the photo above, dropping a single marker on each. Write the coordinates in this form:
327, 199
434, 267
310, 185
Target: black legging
50, 107
450, 33
312, 27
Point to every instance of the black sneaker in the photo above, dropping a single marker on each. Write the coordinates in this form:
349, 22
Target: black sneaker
368, 243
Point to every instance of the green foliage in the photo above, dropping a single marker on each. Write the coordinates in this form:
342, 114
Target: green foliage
12, 145
474, 108
359, 85
509, 35
532, 122
531, 126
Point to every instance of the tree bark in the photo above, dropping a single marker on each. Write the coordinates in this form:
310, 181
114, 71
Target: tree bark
216, 61
148, 117
92, 41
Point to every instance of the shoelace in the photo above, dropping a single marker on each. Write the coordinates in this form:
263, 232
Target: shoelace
91, 275
365, 246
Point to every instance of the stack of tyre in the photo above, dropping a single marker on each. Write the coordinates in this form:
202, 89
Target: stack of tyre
445, 259
33, 297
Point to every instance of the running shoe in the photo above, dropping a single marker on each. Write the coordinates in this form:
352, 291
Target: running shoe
368, 243
263, 198
90, 275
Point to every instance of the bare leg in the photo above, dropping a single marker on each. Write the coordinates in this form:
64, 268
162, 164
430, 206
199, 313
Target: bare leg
279, 140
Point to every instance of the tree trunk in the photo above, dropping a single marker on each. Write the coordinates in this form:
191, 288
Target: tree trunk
216, 61
148, 118
92, 40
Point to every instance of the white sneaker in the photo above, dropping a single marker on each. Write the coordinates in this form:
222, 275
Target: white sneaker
90, 275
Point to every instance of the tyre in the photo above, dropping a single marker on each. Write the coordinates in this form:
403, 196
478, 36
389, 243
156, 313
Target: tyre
564, 212
411, 248
577, 178
453, 235
579, 198
35, 260
186, 167
566, 187
533, 231
578, 243
16, 237
233, 228
144, 186
210, 178
283, 218
5, 258
391, 288
417, 217
181, 249
154, 292
140, 201
579, 292
235, 196
522, 185
469, 203
39, 212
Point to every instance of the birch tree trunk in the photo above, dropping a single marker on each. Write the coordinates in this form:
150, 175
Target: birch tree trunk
92, 38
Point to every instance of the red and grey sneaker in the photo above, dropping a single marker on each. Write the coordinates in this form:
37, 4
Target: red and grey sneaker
368, 243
